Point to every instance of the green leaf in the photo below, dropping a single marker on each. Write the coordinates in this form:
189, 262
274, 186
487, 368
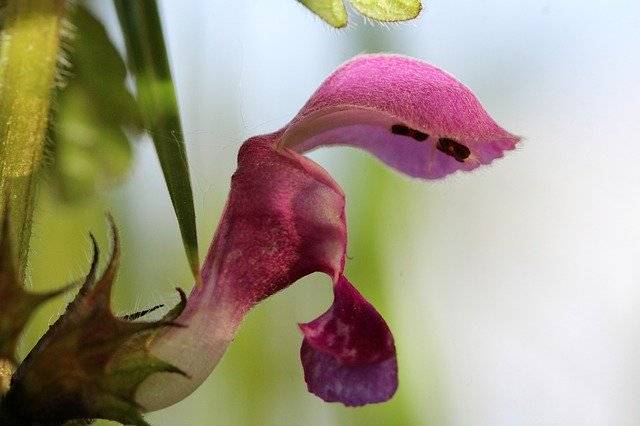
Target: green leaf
90, 146
334, 13
147, 57
388, 10
331, 11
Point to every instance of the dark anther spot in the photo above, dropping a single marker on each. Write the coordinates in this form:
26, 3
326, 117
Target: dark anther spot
402, 130
454, 149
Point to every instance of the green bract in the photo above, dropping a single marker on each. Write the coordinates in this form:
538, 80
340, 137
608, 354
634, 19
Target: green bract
334, 13
90, 363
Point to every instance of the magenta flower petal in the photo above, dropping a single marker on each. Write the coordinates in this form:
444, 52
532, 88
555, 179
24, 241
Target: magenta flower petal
412, 115
348, 354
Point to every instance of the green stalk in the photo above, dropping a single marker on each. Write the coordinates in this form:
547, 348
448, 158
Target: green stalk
29, 49
147, 55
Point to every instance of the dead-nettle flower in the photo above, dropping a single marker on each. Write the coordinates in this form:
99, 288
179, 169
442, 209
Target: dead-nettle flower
285, 219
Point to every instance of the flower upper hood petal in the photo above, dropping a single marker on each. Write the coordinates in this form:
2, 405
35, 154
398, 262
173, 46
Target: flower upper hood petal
411, 115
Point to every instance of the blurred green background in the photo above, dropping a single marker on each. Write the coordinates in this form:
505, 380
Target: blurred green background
512, 292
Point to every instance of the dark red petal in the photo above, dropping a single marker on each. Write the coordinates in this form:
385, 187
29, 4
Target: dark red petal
284, 219
348, 354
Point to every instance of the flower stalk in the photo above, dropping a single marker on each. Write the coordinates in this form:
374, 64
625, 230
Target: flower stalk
29, 51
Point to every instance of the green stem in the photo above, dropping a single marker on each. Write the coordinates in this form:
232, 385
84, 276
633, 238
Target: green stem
29, 49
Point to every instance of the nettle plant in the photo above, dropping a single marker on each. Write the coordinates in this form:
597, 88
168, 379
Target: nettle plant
284, 218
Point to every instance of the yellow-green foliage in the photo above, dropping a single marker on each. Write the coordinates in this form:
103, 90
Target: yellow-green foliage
29, 48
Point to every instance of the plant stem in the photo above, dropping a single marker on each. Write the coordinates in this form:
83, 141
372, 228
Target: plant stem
29, 49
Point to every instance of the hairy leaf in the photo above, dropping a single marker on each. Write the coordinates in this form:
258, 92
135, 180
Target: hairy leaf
388, 10
334, 13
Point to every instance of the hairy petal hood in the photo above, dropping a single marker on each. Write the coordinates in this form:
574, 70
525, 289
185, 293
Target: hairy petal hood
413, 116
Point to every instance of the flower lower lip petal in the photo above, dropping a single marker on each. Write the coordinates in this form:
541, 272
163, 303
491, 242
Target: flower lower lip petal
348, 354
353, 386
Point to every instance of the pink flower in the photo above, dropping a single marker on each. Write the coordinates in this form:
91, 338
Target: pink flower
285, 219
